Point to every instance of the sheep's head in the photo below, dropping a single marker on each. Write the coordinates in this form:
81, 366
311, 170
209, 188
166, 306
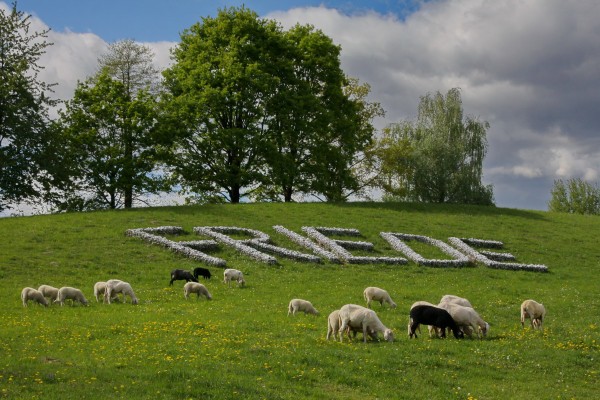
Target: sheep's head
485, 329
388, 335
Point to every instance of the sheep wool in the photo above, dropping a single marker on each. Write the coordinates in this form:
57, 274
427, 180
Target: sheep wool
198, 288
299, 305
34, 295
376, 294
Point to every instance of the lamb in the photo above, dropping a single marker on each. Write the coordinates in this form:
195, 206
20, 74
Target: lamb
100, 289
198, 288
49, 291
33, 294
231, 274
71, 293
180, 275
450, 298
333, 326
305, 306
355, 316
435, 316
115, 286
535, 311
467, 319
374, 293
203, 272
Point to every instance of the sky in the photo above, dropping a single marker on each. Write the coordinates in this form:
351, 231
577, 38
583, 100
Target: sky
531, 68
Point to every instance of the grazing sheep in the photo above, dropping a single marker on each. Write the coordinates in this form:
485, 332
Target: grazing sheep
231, 274
305, 306
49, 291
71, 293
452, 299
195, 287
435, 316
203, 272
333, 326
432, 330
100, 290
180, 275
32, 294
115, 287
467, 319
374, 293
535, 311
355, 316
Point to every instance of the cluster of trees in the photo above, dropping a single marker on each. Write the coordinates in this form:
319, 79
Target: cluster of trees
246, 111
575, 196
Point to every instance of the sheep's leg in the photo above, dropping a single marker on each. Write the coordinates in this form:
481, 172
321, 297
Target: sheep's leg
413, 329
365, 329
343, 327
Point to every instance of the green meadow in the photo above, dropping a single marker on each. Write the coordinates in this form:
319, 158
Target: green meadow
242, 344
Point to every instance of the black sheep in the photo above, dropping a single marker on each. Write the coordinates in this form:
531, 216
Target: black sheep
434, 316
203, 272
180, 274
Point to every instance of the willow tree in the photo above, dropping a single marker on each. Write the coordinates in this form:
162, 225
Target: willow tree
442, 153
575, 196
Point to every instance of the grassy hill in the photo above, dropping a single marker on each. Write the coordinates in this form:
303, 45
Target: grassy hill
242, 344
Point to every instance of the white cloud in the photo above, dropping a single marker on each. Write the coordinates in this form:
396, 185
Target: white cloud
531, 68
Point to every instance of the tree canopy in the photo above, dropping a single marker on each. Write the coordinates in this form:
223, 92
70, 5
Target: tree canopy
255, 111
439, 157
575, 196
108, 148
24, 105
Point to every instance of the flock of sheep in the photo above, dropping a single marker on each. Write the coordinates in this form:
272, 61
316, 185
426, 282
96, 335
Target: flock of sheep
109, 291
452, 312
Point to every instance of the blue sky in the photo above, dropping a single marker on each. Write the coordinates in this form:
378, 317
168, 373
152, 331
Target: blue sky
151, 20
529, 68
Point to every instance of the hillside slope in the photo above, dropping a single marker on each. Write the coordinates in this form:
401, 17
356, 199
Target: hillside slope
242, 343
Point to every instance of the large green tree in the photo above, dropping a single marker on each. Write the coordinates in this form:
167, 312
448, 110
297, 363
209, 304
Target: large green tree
255, 111
24, 105
575, 196
318, 120
108, 146
440, 155
131, 64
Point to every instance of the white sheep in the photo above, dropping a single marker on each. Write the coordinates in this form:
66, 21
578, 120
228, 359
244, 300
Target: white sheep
467, 319
195, 287
49, 291
33, 294
297, 305
100, 290
452, 299
355, 316
72, 293
535, 311
333, 326
231, 274
115, 287
374, 293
